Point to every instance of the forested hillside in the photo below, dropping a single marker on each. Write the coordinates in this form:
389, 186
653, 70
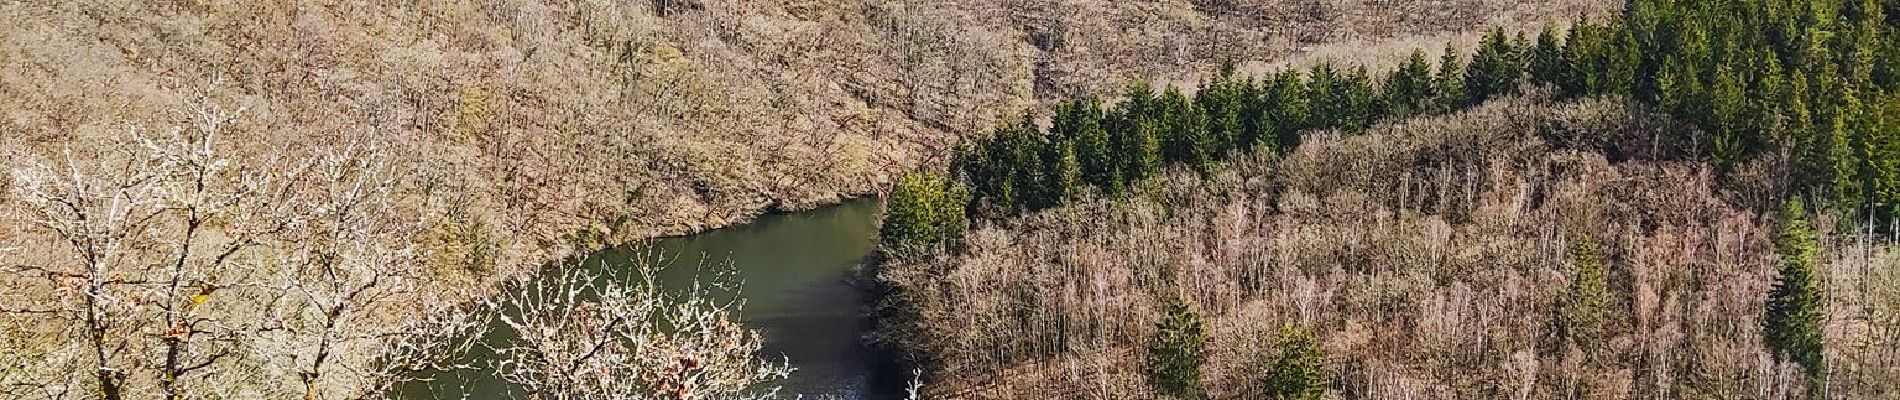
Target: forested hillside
1472, 255
631, 120
216, 199
1626, 212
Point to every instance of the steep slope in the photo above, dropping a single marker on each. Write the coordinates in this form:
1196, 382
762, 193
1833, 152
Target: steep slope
496, 136
1433, 258
668, 116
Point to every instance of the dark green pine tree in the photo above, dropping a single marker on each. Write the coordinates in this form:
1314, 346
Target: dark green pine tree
1362, 105
1580, 70
1843, 147
1288, 108
1618, 59
1810, 143
1220, 101
1792, 327
1328, 100
1767, 116
1408, 89
1298, 371
1100, 163
1062, 173
1449, 85
1184, 133
983, 164
1547, 59
1177, 351
1679, 90
1726, 100
1880, 130
924, 212
1022, 150
1134, 134
1256, 129
1494, 69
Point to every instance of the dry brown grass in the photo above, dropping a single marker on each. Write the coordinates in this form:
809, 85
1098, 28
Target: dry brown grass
1429, 257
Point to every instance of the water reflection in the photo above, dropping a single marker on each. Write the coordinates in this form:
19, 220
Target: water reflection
794, 269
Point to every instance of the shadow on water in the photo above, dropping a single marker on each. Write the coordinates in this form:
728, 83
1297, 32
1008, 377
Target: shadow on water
795, 268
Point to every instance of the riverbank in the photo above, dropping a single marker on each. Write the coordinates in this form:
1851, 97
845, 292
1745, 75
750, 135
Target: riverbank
793, 273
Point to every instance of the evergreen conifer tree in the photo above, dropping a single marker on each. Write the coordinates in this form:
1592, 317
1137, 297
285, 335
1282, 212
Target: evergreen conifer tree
1796, 305
1177, 351
1327, 93
1063, 173
1362, 106
1220, 101
1298, 371
1136, 134
925, 211
1288, 108
1449, 85
1408, 88
1494, 69
1582, 310
1094, 151
1730, 140
1547, 59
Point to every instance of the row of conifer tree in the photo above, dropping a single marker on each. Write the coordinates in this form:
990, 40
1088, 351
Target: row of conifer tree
1807, 82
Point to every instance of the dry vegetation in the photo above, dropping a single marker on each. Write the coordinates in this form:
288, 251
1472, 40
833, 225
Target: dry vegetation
1430, 257
644, 118
396, 159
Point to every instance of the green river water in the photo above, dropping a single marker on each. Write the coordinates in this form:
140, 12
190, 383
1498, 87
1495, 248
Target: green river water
795, 269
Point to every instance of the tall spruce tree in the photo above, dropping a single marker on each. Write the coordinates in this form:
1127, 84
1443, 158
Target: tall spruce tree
1256, 126
1288, 108
1408, 88
1792, 327
1362, 105
1022, 150
1844, 178
1547, 59
1094, 150
1298, 371
1063, 174
1184, 135
1322, 90
1136, 134
1449, 84
1220, 101
1494, 70
1576, 72
1730, 141
1177, 351
924, 213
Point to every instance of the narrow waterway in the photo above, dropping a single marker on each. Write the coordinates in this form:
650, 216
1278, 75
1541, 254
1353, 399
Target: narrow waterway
795, 269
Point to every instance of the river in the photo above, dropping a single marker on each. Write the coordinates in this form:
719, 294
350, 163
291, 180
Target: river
795, 268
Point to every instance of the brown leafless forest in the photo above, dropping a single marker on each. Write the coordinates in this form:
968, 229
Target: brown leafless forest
1431, 258
229, 199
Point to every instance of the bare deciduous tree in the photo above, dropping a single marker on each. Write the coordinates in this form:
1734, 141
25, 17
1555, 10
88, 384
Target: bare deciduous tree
173, 267
611, 335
